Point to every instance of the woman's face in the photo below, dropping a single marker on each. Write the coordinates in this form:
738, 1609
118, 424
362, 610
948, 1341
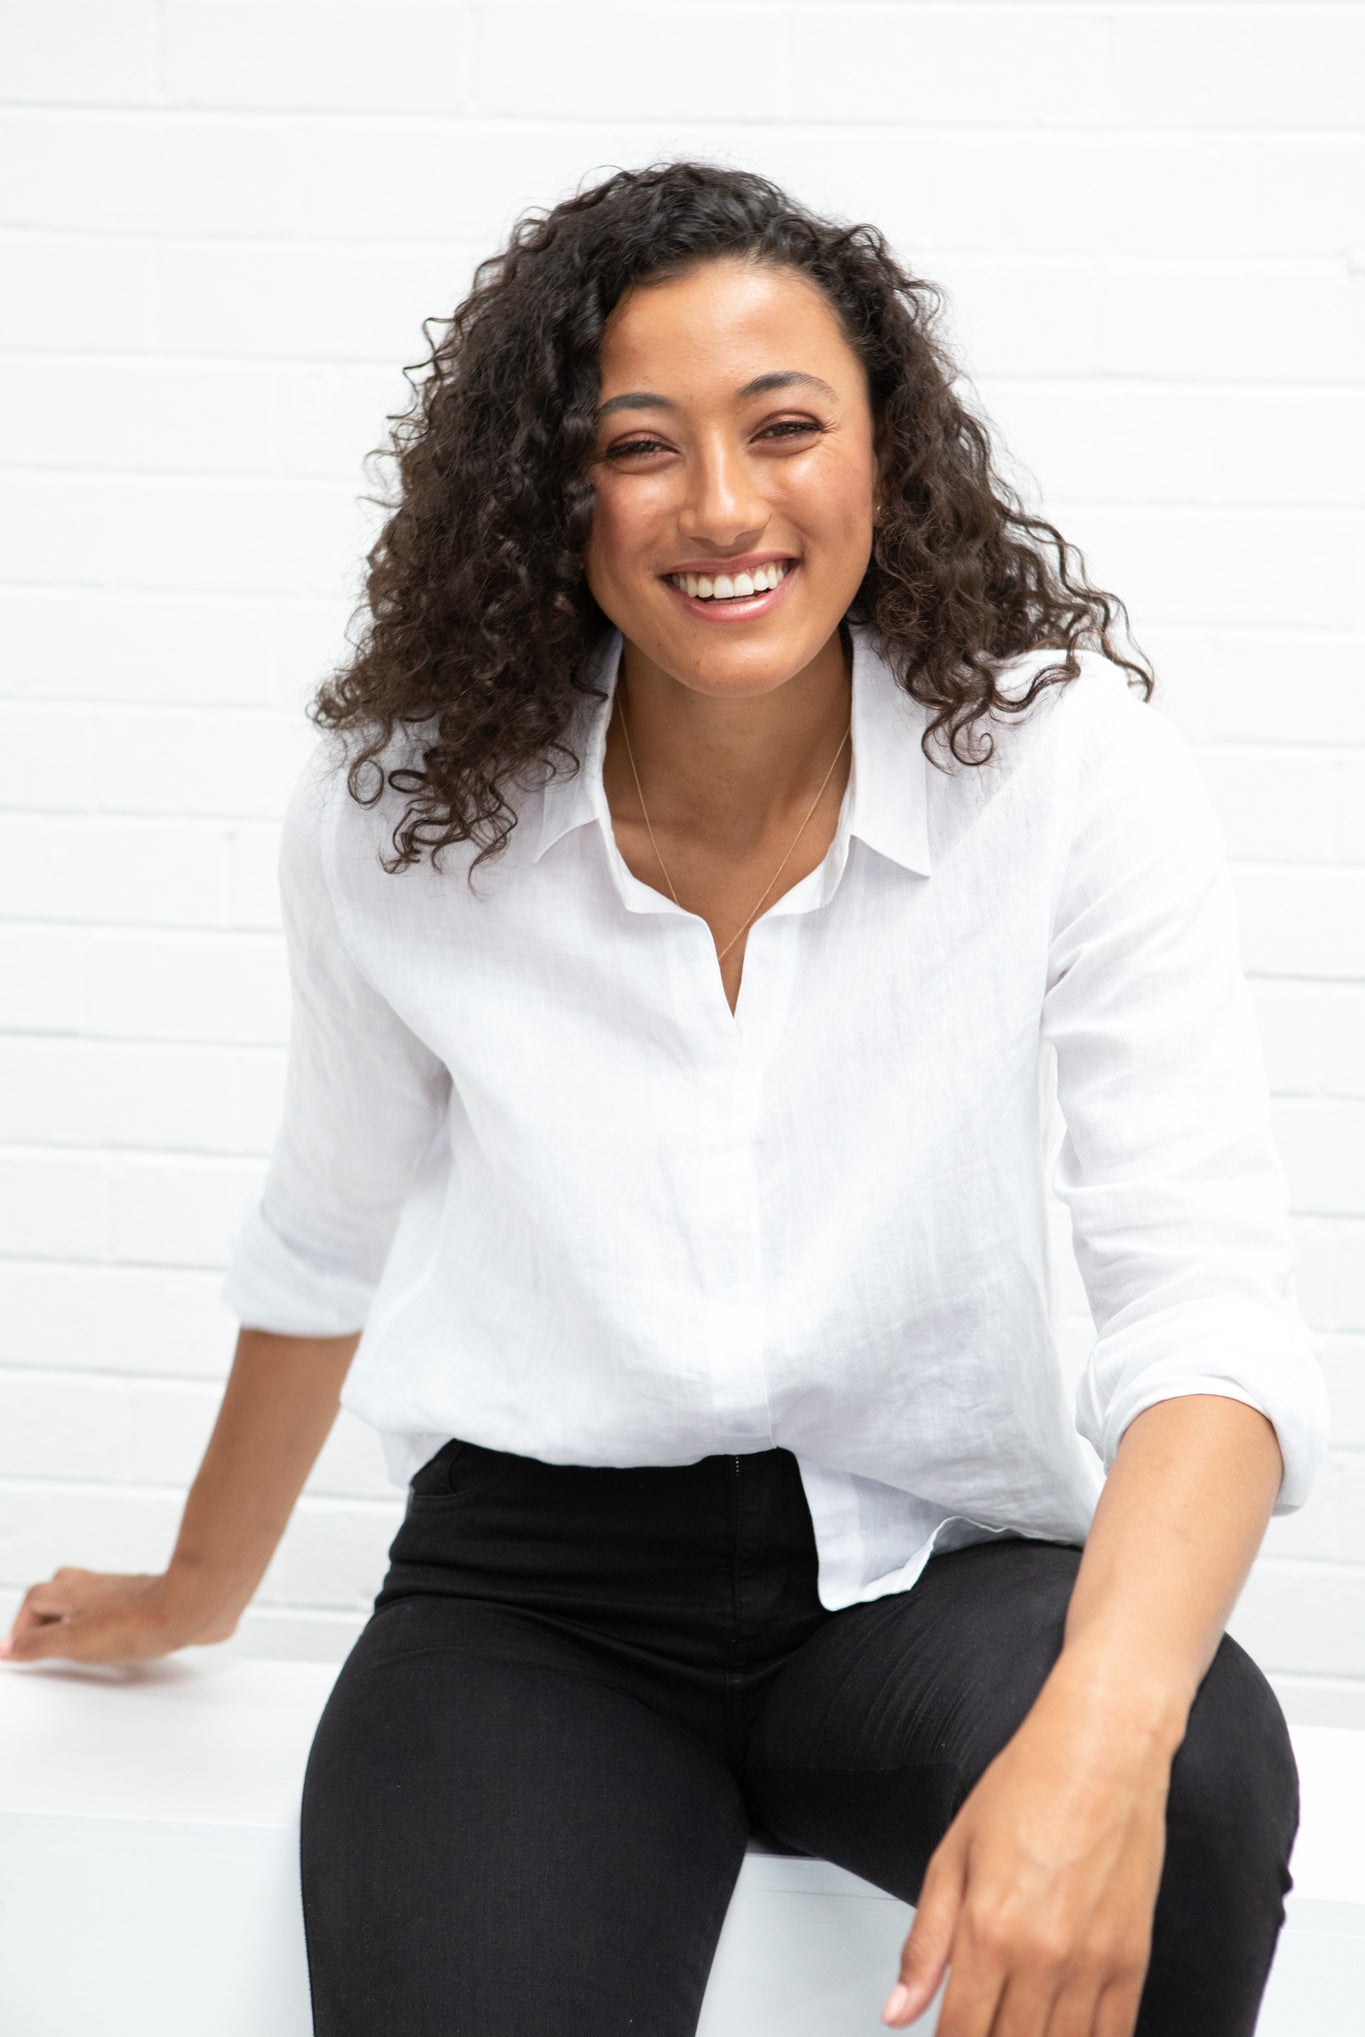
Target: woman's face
735, 475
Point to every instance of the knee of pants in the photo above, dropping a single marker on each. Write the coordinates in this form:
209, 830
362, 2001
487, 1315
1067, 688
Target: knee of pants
1233, 1808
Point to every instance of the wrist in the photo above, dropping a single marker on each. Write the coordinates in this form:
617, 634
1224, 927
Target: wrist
1149, 1704
197, 1594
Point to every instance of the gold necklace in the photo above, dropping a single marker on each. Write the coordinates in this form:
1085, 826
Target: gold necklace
721, 953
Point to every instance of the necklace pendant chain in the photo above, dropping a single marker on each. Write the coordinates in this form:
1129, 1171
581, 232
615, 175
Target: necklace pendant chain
721, 953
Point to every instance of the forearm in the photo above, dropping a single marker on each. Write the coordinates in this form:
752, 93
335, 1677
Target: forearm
1178, 1524
1045, 1883
278, 1407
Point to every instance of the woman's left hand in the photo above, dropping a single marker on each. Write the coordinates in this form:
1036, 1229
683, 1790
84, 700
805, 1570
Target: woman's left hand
1039, 1898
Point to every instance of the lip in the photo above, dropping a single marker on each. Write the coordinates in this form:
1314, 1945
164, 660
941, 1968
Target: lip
743, 607
744, 564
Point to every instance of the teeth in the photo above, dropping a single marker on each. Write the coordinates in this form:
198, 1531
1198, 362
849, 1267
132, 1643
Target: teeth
739, 588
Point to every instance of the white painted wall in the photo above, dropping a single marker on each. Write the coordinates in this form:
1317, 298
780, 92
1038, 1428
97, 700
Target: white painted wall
223, 224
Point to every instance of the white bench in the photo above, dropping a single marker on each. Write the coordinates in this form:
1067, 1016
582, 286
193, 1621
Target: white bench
149, 1887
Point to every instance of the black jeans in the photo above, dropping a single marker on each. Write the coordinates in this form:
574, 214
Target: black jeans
528, 1795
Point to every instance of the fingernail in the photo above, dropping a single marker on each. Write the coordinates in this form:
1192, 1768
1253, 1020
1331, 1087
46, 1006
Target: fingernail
898, 2001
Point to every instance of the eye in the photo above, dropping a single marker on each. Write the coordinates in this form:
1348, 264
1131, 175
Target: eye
792, 427
631, 447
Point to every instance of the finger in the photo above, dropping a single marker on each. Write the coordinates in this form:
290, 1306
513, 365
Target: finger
1025, 2007
1117, 2012
924, 1956
1069, 2013
57, 1636
41, 1604
973, 1994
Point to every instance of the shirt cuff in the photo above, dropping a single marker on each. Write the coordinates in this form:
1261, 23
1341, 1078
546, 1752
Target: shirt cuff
1250, 1353
272, 1285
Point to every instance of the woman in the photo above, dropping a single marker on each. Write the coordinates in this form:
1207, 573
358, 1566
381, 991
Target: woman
744, 806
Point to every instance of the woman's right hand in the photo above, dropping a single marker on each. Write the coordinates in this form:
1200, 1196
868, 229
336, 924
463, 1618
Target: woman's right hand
103, 1616
280, 1401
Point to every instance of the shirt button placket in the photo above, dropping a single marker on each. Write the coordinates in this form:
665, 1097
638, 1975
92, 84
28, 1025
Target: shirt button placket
742, 1414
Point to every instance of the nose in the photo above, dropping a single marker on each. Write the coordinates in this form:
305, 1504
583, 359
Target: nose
724, 507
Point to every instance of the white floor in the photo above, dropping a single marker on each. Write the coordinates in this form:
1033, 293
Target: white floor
148, 1818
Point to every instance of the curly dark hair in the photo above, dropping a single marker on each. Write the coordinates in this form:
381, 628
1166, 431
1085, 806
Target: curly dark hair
477, 622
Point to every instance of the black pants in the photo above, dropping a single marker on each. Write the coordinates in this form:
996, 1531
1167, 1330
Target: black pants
529, 1793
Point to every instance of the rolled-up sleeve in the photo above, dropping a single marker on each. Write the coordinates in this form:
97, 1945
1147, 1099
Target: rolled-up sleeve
1168, 1165
363, 1098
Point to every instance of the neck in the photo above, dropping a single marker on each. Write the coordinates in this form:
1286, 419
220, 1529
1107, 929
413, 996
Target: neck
731, 768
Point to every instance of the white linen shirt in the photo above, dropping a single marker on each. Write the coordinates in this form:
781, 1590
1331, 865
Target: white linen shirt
586, 1213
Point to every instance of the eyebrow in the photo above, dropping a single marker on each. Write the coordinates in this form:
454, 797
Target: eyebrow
762, 385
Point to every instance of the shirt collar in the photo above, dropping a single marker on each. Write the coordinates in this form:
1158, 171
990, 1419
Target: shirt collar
886, 804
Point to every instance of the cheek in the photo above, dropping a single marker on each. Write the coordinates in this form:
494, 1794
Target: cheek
622, 523
833, 500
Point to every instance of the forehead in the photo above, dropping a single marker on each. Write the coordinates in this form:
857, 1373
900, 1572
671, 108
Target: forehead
723, 323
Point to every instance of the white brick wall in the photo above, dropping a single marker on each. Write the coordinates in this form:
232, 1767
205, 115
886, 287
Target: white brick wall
223, 225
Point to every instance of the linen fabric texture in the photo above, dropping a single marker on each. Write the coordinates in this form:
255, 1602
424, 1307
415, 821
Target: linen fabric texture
582, 1211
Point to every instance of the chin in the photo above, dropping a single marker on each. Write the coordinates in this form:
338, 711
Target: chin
740, 668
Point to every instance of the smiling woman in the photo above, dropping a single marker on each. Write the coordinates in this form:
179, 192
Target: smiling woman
776, 472
732, 528
687, 1177
585, 385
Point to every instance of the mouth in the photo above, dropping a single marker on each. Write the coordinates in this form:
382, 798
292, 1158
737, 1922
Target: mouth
733, 596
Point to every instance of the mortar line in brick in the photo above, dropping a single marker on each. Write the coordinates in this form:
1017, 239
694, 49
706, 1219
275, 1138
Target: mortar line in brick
142, 928
1081, 257
171, 590
115, 1268
311, 1502
1119, 380
261, 361
1311, 1566
82, 1375
160, 1042
489, 119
